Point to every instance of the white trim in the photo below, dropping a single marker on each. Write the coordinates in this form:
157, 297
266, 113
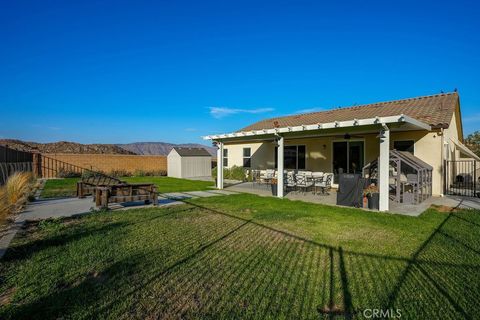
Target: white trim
330, 125
220, 165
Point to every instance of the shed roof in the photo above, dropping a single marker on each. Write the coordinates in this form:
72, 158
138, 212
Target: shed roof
192, 152
435, 110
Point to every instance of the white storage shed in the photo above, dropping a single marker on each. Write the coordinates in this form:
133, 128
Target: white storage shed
189, 163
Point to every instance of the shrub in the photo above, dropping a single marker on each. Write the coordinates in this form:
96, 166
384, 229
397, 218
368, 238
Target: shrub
150, 173
234, 173
139, 173
87, 174
119, 173
63, 173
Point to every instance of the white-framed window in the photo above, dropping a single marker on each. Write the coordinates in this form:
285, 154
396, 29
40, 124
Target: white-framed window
247, 154
404, 145
225, 157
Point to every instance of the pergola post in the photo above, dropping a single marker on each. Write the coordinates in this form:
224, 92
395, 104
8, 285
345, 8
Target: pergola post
280, 166
220, 165
383, 168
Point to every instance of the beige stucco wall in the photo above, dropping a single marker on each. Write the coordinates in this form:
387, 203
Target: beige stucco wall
262, 154
319, 152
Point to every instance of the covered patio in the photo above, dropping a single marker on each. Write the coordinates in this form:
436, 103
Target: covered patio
378, 130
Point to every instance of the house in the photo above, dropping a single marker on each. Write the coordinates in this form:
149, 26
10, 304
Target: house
189, 163
347, 139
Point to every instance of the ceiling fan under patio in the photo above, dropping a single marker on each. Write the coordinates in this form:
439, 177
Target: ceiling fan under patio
348, 136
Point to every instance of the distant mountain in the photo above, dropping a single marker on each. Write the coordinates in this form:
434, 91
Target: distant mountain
145, 148
161, 148
64, 147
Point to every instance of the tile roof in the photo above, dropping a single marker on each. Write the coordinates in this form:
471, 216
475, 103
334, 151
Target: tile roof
192, 152
435, 110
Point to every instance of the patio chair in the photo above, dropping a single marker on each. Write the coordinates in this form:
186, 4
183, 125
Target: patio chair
247, 173
255, 177
324, 184
305, 173
303, 182
317, 174
290, 183
266, 176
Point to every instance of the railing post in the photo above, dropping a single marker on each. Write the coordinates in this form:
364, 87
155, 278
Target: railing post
474, 177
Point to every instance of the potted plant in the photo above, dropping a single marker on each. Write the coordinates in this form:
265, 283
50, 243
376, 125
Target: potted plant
274, 186
373, 196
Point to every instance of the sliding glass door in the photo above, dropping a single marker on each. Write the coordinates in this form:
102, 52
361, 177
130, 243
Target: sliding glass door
348, 157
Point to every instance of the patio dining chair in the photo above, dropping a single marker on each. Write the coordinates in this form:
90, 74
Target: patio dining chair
317, 174
303, 182
255, 177
266, 176
290, 181
324, 184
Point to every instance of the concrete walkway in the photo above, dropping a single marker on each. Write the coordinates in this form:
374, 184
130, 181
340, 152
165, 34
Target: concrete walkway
68, 207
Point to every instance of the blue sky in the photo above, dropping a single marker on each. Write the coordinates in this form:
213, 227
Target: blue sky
118, 71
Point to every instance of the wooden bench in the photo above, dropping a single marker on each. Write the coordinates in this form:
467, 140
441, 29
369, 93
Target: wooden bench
87, 186
125, 193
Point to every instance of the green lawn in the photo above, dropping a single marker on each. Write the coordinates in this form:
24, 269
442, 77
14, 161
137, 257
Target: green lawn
244, 256
67, 187
60, 188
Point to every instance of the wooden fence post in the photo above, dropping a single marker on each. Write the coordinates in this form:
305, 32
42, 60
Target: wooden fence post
37, 164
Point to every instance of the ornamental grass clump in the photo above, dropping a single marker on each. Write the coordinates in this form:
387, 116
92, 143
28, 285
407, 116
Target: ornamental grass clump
14, 193
4, 207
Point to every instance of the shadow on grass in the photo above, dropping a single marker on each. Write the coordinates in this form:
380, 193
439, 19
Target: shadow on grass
25, 251
239, 268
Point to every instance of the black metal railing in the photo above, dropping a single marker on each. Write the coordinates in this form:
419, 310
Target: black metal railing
460, 178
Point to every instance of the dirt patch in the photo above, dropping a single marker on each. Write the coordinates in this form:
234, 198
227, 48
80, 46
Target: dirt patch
443, 209
332, 310
6, 297
97, 277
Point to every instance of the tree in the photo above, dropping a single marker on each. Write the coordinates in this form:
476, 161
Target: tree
473, 142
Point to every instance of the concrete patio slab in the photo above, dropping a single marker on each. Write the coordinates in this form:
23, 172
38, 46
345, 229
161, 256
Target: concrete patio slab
223, 192
202, 194
177, 195
56, 208
331, 199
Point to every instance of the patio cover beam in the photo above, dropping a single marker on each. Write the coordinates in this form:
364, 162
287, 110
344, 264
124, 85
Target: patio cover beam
220, 165
280, 165
397, 119
383, 168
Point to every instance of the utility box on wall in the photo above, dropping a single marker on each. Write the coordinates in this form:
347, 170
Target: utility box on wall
189, 163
